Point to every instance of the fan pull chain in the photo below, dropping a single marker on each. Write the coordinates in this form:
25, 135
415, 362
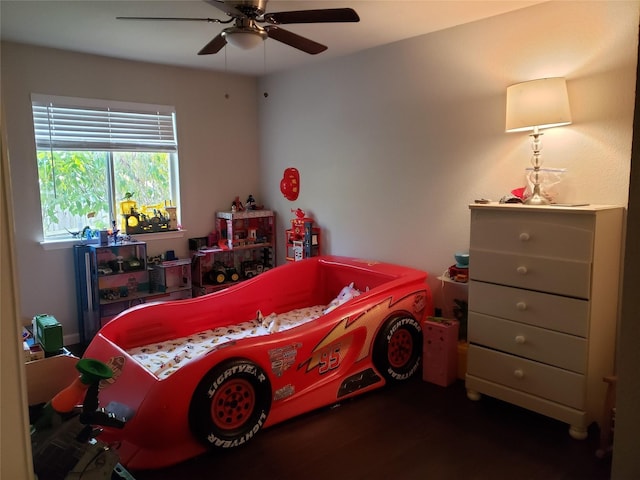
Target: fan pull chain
226, 95
264, 67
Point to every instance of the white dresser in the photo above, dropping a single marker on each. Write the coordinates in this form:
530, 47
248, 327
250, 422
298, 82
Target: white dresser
543, 307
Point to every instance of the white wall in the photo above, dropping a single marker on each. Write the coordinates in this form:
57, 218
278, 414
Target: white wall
393, 143
218, 160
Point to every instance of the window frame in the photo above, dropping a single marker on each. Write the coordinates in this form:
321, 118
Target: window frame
62, 123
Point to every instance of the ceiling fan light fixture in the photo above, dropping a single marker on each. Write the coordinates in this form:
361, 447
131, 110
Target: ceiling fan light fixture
244, 38
247, 34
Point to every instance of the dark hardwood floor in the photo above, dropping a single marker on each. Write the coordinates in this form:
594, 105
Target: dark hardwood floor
414, 431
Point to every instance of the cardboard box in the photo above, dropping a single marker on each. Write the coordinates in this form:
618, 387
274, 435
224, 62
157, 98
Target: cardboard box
48, 333
35, 352
440, 359
47, 376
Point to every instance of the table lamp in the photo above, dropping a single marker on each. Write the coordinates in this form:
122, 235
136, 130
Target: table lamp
535, 105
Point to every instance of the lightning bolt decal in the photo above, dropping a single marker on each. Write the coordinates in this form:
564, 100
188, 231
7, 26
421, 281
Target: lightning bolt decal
370, 320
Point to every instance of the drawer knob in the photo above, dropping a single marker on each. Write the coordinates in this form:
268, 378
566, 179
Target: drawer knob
524, 237
522, 270
518, 373
520, 339
521, 306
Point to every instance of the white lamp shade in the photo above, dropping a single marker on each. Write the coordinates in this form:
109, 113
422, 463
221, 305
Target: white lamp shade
539, 103
244, 39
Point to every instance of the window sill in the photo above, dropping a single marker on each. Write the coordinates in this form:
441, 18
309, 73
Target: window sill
70, 242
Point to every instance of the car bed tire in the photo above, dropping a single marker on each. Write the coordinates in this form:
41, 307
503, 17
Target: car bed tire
230, 404
397, 351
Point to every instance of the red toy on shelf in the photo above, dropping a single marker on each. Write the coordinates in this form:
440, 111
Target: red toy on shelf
302, 240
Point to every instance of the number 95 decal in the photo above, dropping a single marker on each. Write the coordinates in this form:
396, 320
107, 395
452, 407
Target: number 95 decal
329, 359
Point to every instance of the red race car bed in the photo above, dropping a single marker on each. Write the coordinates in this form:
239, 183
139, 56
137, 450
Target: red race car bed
211, 371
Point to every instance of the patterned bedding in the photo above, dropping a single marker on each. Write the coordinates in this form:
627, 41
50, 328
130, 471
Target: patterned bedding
164, 358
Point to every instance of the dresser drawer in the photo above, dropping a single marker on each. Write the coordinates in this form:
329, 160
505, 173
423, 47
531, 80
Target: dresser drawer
552, 383
553, 348
547, 234
562, 314
564, 277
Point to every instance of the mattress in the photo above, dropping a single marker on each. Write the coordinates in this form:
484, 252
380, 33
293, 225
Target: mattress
165, 358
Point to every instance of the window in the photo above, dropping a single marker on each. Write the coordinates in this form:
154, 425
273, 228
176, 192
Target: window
93, 154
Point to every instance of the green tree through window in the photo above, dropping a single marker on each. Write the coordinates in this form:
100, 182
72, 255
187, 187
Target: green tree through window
147, 175
75, 187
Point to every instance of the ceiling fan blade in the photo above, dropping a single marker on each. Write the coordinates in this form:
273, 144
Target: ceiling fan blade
327, 15
210, 20
214, 46
294, 40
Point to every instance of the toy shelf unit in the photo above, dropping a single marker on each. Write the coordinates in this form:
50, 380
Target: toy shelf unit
248, 229
171, 279
245, 248
109, 279
302, 240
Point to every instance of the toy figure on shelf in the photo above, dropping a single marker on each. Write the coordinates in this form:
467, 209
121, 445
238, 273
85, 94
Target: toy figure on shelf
236, 205
299, 213
114, 231
297, 224
251, 204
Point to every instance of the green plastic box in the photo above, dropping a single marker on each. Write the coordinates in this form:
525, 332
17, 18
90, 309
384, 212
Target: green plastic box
48, 332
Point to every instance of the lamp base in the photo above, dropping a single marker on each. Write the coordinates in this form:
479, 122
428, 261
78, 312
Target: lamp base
536, 199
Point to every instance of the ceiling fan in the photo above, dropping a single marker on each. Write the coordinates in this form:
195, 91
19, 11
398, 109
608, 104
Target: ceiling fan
246, 33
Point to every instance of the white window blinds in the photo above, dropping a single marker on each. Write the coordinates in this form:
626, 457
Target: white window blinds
65, 123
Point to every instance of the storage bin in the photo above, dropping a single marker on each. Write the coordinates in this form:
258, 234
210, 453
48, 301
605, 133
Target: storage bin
48, 333
440, 351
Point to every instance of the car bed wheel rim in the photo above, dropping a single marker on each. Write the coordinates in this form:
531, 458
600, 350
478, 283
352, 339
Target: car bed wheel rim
232, 405
400, 348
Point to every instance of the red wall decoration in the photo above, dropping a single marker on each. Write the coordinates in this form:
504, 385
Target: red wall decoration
290, 184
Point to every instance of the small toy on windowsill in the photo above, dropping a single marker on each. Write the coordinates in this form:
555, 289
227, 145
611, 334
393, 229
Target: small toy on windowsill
114, 231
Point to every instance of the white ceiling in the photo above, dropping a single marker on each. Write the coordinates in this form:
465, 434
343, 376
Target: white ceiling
90, 26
